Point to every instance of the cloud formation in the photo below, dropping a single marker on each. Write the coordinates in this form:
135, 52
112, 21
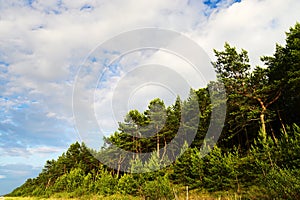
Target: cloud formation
43, 43
12, 176
255, 25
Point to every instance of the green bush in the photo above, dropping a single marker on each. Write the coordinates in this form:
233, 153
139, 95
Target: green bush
127, 185
282, 184
105, 184
158, 189
220, 171
60, 184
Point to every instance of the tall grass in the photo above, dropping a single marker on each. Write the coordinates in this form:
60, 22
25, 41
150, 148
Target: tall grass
192, 196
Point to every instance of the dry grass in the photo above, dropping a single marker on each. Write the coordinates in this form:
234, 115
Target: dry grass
120, 197
95, 197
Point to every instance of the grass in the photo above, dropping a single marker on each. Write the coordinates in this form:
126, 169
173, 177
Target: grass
180, 194
94, 197
192, 196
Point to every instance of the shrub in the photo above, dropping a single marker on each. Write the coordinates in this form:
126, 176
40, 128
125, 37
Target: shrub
282, 184
158, 189
127, 185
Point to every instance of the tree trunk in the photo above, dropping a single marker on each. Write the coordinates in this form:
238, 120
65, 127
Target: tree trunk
165, 149
282, 124
119, 165
48, 183
133, 146
157, 146
157, 142
263, 126
262, 119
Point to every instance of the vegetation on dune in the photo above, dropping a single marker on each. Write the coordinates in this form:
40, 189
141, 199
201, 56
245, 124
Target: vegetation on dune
256, 157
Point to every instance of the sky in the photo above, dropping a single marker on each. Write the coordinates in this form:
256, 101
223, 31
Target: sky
44, 44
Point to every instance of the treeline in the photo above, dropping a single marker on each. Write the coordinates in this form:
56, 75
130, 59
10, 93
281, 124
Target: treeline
257, 155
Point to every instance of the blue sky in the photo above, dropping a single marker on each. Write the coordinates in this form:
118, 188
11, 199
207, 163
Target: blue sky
43, 43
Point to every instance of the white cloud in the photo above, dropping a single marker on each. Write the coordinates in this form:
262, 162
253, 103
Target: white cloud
2, 176
15, 175
44, 48
35, 155
160, 74
255, 25
44, 150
